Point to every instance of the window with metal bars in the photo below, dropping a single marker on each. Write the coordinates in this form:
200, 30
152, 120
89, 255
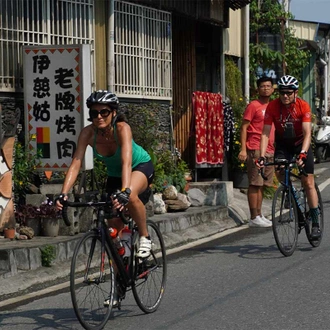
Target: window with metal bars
39, 22
143, 52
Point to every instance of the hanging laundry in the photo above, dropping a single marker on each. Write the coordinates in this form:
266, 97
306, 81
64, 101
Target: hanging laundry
208, 127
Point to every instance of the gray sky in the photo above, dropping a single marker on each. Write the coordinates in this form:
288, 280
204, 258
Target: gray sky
311, 10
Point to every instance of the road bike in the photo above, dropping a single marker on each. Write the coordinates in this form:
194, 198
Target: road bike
99, 272
290, 210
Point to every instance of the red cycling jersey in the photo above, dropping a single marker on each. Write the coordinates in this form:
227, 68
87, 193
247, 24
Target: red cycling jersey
296, 114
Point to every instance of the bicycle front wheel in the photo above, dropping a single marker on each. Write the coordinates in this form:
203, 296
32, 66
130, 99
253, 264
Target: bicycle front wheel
91, 281
149, 274
285, 221
308, 226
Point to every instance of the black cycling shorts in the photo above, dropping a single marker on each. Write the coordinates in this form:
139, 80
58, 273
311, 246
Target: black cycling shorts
114, 183
288, 152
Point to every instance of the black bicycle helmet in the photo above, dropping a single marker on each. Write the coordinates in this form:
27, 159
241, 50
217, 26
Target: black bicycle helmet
288, 82
104, 97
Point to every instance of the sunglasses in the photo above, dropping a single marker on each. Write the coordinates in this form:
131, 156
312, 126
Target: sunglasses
286, 93
95, 113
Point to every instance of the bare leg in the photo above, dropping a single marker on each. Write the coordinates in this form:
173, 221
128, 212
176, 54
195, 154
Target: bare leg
254, 200
308, 183
136, 207
260, 198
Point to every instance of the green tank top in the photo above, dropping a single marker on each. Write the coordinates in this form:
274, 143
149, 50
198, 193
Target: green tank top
113, 163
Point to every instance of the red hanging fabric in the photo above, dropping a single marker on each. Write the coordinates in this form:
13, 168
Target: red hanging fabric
209, 118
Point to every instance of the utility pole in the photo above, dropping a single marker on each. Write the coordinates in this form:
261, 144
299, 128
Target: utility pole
284, 25
247, 54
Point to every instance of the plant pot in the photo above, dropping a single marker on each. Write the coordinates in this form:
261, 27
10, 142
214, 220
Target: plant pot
240, 180
50, 227
35, 224
9, 233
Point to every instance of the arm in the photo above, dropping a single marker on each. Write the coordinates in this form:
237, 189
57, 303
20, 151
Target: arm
307, 133
242, 155
125, 141
264, 140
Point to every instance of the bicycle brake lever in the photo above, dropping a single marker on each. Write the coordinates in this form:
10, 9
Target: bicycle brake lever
261, 172
302, 171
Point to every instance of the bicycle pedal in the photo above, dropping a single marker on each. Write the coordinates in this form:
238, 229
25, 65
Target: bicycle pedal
117, 305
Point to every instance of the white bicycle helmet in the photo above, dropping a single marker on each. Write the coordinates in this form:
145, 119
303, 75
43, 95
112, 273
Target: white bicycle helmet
288, 82
104, 97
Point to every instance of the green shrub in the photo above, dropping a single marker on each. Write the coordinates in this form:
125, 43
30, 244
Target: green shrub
48, 255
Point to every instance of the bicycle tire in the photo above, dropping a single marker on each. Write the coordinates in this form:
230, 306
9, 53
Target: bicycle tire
91, 282
149, 274
285, 222
308, 226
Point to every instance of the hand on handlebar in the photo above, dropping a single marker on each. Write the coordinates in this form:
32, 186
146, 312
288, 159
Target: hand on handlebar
120, 199
260, 162
302, 159
59, 201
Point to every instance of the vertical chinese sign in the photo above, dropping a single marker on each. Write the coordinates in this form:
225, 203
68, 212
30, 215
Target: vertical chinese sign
57, 81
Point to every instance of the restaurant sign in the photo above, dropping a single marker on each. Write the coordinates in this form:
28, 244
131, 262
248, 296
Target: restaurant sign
57, 81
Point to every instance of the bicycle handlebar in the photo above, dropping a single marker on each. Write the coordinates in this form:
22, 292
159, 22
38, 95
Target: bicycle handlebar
279, 162
67, 204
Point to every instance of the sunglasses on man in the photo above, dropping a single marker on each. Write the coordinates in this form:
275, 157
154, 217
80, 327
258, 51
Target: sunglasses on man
286, 93
103, 112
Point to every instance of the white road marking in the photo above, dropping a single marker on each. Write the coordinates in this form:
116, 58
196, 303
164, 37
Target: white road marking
324, 184
318, 171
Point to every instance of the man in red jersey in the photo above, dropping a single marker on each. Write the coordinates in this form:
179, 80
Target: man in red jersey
292, 117
251, 129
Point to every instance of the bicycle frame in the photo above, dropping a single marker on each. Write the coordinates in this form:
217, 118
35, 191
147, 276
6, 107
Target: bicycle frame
108, 275
286, 229
287, 182
102, 229
118, 260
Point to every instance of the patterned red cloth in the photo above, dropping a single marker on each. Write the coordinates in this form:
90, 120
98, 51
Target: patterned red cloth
209, 118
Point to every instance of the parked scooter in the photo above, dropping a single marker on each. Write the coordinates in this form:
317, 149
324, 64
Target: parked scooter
322, 140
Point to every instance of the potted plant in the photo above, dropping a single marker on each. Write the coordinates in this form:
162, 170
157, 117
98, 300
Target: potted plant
28, 215
9, 232
49, 216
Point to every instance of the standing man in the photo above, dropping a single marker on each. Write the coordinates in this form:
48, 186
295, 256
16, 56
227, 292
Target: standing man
251, 129
293, 132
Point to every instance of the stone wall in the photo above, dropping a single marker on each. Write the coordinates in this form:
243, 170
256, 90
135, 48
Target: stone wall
150, 122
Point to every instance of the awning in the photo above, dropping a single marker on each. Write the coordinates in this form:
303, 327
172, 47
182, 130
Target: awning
237, 4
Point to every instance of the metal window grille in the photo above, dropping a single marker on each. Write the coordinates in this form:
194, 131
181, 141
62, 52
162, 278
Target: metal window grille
143, 52
39, 22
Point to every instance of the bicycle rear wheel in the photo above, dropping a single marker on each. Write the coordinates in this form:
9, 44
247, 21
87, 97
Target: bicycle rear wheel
308, 226
149, 274
91, 281
285, 221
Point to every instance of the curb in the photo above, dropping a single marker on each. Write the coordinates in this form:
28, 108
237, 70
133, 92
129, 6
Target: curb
178, 229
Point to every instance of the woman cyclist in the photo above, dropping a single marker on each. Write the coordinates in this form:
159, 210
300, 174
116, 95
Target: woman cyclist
129, 167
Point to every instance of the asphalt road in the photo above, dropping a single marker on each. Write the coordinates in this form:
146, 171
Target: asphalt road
239, 281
